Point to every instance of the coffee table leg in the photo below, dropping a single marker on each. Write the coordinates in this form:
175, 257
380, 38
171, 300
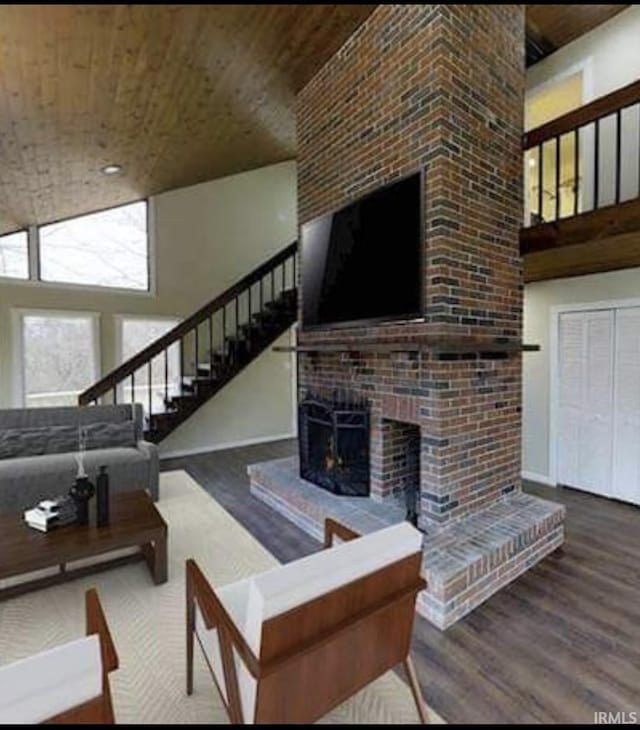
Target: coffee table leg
159, 569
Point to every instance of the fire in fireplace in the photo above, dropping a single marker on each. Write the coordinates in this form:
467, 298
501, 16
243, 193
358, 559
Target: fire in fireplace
334, 445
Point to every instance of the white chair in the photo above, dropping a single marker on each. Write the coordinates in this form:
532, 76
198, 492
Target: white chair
68, 684
290, 644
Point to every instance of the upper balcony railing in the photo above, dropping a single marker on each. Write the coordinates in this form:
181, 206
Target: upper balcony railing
584, 160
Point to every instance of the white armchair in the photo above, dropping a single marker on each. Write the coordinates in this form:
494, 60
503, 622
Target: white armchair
68, 684
290, 644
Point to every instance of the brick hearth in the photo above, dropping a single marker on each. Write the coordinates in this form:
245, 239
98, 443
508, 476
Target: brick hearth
463, 564
438, 88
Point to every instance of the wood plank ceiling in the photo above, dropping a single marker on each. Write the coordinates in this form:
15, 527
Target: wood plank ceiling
176, 94
550, 27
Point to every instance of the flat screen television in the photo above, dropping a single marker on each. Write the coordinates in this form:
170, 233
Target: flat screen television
363, 262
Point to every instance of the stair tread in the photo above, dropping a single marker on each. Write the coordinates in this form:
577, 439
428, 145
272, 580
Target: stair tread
211, 372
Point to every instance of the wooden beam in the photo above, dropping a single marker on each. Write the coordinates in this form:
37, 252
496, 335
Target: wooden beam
604, 223
592, 257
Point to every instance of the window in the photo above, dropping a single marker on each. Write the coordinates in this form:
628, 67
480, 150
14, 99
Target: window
135, 334
59, 356
14, 255
109, 248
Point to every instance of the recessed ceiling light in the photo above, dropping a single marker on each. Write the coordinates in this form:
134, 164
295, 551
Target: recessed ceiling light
111, 169
532, 162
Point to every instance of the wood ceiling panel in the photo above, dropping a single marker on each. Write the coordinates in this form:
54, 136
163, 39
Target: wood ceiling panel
177, 94
550, 27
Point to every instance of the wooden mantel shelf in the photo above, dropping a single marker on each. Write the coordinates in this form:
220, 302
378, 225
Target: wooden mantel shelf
438, 345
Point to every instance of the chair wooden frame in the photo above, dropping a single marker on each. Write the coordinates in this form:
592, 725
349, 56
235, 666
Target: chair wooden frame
99, 710
307, 647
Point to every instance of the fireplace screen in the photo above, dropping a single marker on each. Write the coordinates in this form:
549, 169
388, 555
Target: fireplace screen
334, 445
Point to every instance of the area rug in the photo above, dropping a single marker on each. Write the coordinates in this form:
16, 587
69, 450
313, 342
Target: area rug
148, 622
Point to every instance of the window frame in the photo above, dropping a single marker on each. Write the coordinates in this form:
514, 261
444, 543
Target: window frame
4, 279
119, 320
18, 315
34, 258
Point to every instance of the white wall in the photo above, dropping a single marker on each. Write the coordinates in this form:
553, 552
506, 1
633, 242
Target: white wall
539, 298
609, 54
210, 235
609, 57
256, 406
206, 237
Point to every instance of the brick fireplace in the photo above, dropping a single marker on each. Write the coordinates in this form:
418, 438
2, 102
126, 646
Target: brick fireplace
437, 88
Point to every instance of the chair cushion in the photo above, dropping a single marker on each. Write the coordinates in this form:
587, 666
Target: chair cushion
234, 598
39, 687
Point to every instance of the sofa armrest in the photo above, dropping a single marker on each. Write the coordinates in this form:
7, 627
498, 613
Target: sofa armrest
151, 452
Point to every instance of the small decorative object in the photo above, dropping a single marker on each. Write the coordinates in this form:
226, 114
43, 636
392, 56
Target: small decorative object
102, 496
82, 447
50, 513
82, 491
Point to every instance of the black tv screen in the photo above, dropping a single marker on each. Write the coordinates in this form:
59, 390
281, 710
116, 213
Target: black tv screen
363, 262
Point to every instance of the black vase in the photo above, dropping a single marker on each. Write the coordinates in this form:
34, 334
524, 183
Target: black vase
102, 497
81, 492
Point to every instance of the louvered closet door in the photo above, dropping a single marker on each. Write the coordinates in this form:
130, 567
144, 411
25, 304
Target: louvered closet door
626, 451
586, 400
571, 339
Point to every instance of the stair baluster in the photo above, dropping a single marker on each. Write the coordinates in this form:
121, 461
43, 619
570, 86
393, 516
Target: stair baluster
252, 335
150, 388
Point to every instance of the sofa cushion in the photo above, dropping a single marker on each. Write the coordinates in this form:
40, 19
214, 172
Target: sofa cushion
67, 415
110, 435
16, 442
60, 440
34, 465
25, 481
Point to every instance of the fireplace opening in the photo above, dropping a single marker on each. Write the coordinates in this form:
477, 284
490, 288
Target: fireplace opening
401, 464
333, 438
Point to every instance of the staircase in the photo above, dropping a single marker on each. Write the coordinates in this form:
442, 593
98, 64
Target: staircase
173, 376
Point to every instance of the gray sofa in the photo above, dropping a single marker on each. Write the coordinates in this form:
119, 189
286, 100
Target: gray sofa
37, 447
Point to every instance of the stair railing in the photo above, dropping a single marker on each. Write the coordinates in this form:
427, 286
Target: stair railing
584, 160
203, 338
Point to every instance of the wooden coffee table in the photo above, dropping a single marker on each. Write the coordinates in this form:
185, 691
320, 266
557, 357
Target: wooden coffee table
134, 522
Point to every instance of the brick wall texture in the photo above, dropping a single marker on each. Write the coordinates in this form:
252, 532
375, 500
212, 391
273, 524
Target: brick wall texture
437, 88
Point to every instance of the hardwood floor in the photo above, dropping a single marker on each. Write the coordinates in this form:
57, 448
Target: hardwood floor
224, 475
557, 645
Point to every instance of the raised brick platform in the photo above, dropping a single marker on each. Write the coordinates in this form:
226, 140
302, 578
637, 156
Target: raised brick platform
464, 563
